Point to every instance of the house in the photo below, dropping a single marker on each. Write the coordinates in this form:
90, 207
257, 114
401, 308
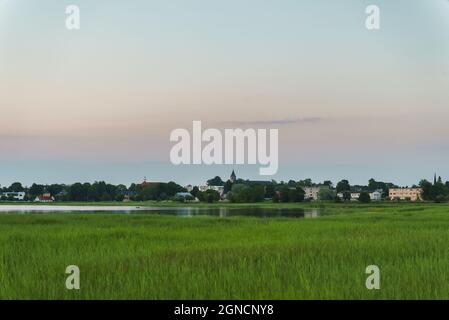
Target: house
311, 193
412, 194
46, 197
185, 196
219, 189
354, 196
376, 195
148, 183
13, 196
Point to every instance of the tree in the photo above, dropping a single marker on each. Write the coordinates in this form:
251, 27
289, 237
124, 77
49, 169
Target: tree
227, 186
270, 191
16, 187
36, 190
173, 188
328, 183
305, 183
291, 183
364, 197
343, 185
209, 196
326, 194
438, 191
55, 189
247, 193
215, 182
119, 197
373, 184
296, 194
195, 191
78, 192
257, 193
346, 196
426, 187
132, 187
158, 191
284, 194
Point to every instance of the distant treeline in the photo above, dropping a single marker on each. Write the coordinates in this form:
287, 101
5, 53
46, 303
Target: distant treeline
239, 191
98, 191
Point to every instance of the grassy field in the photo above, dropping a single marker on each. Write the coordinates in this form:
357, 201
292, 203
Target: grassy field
166, 257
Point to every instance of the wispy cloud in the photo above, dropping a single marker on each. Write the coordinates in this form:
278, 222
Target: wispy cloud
275, 122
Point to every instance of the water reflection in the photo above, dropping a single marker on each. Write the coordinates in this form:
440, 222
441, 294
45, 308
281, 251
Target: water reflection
178, 211
249, 212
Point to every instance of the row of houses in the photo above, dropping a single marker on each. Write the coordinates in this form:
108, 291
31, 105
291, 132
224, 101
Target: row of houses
410, 194
313, 193
20, 196
374, 196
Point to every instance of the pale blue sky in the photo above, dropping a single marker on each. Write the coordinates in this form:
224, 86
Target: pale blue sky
99, 103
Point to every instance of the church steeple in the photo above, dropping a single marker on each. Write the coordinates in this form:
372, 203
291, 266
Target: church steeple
233, 177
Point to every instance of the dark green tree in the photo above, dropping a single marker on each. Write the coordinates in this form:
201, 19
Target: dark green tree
195, 191
215, 182
270, 191
343, 185
16, 187
364, 197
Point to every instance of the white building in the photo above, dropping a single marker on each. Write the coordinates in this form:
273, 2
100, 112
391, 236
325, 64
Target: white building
219, 189
311, 193
355, 196
374, 196
15, 195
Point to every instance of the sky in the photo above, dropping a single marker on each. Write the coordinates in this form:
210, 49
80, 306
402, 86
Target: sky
99, 103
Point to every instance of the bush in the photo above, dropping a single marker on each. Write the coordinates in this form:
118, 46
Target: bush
364, 197
209, 196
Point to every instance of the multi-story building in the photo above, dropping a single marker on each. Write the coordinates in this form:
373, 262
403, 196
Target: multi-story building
412, 194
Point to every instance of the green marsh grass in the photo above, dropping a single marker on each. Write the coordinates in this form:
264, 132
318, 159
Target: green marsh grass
166, 257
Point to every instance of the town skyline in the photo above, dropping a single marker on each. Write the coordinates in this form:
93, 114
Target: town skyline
233, 177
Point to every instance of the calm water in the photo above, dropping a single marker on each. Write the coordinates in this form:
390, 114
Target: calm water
178, 211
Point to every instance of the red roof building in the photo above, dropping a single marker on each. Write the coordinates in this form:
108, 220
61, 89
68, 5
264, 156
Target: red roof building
46, 197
